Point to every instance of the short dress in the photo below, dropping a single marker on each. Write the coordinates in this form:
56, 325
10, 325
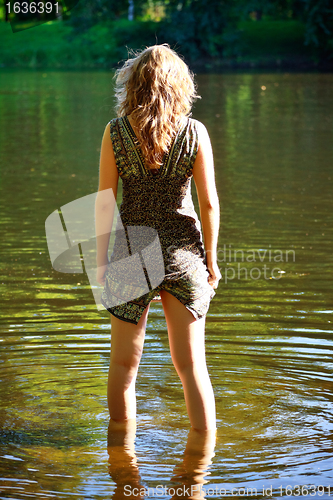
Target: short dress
156, 212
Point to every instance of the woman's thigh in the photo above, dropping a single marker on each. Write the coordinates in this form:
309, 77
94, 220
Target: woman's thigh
127, 340
186, 335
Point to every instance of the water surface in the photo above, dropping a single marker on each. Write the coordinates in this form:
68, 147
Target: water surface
269, 328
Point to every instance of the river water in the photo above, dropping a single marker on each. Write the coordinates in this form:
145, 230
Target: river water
269, 328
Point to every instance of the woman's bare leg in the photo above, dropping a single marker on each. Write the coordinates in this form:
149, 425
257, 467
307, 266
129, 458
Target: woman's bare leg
126, 348
187, 347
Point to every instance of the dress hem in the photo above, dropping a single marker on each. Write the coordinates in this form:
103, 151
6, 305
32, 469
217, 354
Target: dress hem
109, 309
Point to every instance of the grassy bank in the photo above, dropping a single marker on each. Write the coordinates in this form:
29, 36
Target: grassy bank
54, 45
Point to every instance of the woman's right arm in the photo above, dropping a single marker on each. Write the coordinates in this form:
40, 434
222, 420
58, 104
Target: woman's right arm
105, 203
204, 178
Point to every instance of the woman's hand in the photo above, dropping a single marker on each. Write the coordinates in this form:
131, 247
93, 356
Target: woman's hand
214, 274
100, 274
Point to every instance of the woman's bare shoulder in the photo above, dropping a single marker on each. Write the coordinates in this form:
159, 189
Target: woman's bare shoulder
111, 125
113, 120
201, 128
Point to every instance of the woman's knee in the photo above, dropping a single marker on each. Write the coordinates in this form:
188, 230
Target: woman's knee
128, 358
188, 363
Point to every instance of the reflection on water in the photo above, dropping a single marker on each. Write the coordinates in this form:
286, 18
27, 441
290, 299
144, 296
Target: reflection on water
187, 480
189, 476
123, 468
269, 333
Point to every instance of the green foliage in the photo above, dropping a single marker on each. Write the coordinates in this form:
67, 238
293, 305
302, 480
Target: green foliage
197, 26
318, 19
263, 9
275, 38
97, 33
194, 26
90, 12
57, 45
47, 46
133, 35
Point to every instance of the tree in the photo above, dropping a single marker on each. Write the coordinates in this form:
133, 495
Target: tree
197, 26
318, 18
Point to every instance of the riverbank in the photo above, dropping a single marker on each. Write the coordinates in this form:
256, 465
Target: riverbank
54, 45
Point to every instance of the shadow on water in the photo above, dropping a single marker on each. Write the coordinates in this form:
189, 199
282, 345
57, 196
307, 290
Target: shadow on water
269, 335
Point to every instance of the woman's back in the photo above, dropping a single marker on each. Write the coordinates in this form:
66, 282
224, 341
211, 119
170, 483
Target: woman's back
160, 197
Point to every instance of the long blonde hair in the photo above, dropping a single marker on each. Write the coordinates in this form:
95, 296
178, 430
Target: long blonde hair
157, 89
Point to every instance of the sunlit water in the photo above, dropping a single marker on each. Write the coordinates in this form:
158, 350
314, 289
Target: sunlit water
269, 332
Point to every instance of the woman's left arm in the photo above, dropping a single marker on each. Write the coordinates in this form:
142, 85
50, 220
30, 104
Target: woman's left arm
204, 178
105, 203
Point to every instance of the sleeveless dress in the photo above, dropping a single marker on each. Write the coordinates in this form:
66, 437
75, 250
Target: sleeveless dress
156, 204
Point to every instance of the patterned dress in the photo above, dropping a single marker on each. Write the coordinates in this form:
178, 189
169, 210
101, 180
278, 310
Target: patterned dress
157, 212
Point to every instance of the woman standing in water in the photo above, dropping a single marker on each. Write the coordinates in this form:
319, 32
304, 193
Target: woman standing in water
156, 148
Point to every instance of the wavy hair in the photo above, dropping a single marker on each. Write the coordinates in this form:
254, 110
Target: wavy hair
157, 89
